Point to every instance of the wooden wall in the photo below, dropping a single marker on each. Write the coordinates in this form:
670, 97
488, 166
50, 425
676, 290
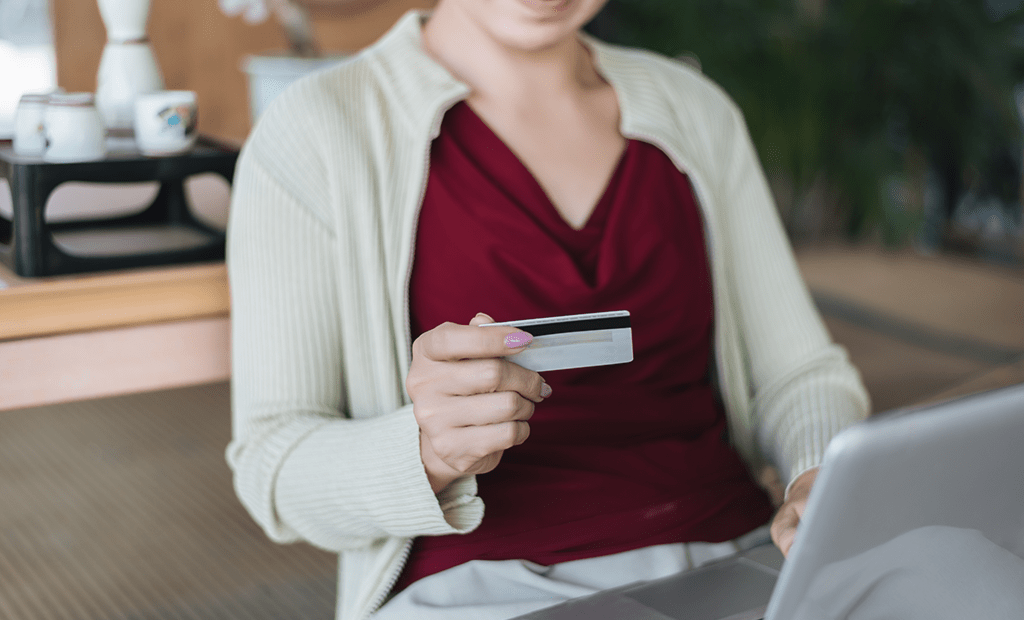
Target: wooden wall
199, 48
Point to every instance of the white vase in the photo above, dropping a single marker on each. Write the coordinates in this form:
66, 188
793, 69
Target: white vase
126, 71
125, 19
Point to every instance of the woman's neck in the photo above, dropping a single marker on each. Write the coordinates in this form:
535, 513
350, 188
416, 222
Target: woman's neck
498, 69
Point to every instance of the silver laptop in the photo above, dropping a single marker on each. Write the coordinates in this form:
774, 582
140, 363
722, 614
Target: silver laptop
957, 464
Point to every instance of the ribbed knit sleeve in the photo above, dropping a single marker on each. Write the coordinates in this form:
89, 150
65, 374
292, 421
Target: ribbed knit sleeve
804, 388
303, 467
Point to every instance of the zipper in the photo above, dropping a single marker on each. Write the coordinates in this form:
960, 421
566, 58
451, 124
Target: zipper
403, 556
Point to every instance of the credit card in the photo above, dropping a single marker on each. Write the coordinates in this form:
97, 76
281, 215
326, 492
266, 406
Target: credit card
575, 341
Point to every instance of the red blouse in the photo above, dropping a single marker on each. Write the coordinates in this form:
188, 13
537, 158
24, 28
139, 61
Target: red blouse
619, 457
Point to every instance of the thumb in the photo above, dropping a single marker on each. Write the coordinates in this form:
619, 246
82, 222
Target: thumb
480, 319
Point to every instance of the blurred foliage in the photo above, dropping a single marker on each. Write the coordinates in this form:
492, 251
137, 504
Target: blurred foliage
852, 94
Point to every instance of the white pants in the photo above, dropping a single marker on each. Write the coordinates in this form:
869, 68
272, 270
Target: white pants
933, 573
489, 590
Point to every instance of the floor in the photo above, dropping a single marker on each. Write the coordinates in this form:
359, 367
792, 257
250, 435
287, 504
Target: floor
123, 509
920, 327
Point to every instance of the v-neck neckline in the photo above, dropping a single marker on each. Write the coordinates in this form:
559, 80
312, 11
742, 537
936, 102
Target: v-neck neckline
600, 208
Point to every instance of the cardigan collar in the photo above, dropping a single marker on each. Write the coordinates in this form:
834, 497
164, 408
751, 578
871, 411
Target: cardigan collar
416, 77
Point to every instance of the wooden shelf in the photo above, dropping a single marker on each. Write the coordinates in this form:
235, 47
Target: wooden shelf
63, 304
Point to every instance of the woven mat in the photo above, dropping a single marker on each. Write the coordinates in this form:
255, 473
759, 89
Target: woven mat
123, 508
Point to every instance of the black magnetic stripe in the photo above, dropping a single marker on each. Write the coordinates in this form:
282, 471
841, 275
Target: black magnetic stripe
584, 325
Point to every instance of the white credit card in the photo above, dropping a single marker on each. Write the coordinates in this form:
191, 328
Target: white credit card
575, 341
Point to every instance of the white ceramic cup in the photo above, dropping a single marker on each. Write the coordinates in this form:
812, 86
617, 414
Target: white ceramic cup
165, 122
74, 129
125, 19
30, 125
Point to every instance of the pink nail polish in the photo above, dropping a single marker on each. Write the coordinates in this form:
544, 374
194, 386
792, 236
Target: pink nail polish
518, 339
545, 390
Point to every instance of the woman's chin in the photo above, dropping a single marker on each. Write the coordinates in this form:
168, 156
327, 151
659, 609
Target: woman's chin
533, 39
541, 24
524, 25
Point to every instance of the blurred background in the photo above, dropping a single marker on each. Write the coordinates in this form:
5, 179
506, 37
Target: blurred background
894, 120
891, 133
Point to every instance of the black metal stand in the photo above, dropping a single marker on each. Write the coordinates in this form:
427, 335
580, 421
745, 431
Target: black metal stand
26, 241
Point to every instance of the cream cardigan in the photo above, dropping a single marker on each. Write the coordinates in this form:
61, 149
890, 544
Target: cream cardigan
323, 217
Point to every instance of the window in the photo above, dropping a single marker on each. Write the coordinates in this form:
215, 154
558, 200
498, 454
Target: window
27, 59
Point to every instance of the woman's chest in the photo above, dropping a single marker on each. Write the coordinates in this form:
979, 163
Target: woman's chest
571, 151
489, 240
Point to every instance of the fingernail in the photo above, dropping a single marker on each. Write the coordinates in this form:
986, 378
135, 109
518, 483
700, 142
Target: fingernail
545, 390
518, 339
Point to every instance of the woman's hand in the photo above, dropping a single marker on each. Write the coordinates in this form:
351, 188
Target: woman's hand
792, 509
471, 405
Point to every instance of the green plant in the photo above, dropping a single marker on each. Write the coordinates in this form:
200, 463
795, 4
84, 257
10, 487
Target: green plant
843, 97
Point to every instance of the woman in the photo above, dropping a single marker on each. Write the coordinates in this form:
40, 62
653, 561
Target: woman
537, 173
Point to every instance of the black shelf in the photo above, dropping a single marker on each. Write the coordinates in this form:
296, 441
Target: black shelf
27, 243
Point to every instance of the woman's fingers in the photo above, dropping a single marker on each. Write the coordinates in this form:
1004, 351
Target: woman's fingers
481, 319
429, 379
784, 525
476, 410
470, 403
450, 342
783, 529
496, 375
477, 449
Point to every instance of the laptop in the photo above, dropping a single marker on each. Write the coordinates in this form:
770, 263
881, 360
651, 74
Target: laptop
956, 464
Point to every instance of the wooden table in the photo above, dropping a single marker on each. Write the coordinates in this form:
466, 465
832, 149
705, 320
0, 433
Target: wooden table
74, 337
